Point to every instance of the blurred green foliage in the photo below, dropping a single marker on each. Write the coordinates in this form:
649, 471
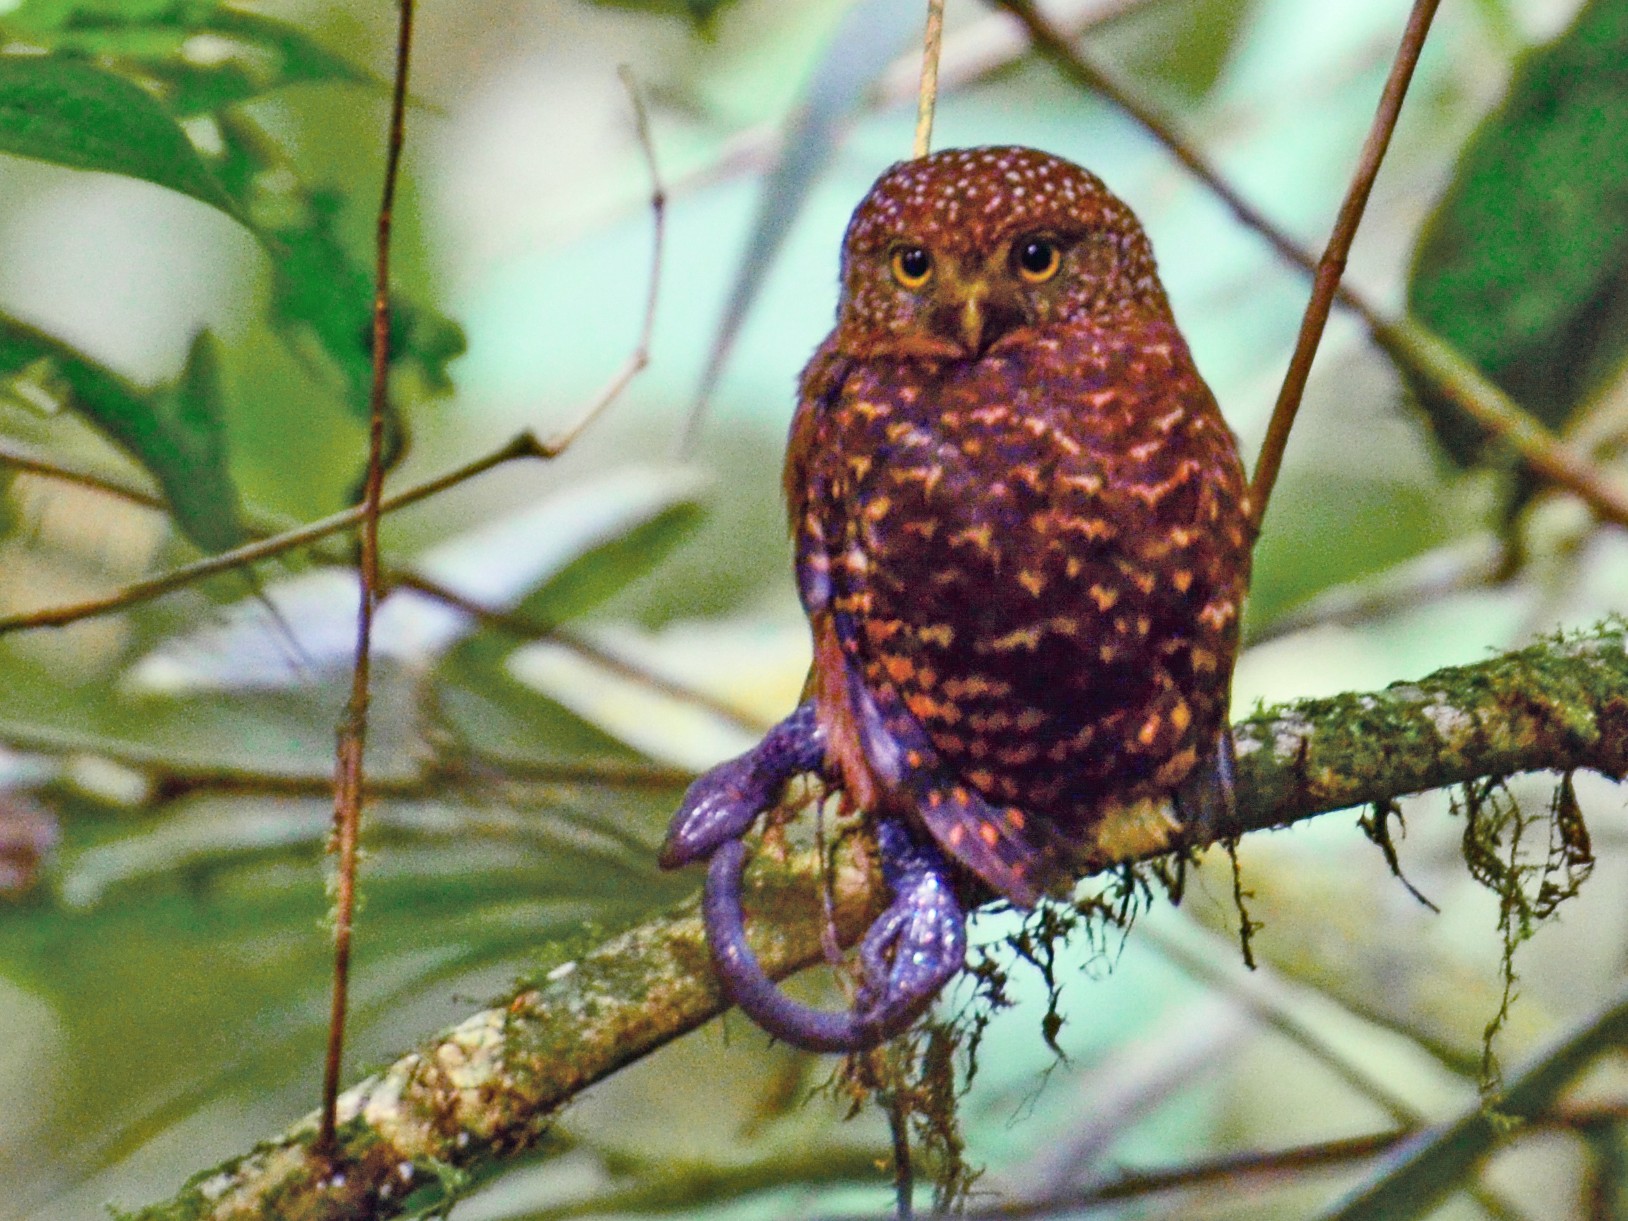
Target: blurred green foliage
163, 985
200, 61
1524, 264
700, 12
71, 113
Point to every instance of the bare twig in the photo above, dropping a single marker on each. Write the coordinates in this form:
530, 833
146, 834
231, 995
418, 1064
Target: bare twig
640, 356
1269, 1000
932, 45
522, 628
1227, 1169
525, 445
1428, 1167
31, 464
1237, 1170
972, 51
1428, 356
173, 781
395, 577
983, 45
390, 577
352, 745
1409, 346
1331, 266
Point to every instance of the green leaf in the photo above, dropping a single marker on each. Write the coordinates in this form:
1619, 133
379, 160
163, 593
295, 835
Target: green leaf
320, 291
700, 13
1524, 266
192, 464
41, 17
247, 54
1421, 1174
177, 433
597, 575
619, 530
70, 113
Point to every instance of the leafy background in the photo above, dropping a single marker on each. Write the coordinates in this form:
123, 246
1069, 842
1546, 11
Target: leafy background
196, 325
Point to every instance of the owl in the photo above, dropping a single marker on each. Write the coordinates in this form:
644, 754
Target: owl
1022, 536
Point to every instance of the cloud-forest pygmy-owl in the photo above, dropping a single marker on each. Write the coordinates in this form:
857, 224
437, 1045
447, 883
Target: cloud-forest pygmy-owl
1022, 539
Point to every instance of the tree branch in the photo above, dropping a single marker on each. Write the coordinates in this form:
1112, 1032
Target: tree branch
492, 1084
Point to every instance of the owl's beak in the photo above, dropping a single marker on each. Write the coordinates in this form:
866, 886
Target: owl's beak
979, 319
973, 319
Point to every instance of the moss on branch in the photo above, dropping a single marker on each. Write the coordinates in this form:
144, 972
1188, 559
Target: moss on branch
492, 1084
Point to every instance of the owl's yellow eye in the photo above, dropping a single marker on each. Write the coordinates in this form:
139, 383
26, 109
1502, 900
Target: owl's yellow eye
912, 266
1037, 259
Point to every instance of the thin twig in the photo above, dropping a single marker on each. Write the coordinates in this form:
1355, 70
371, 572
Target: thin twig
1269, 1000
1410, 347
174, 781
524, 445
640, 356
932, 45
1235, 1170
352, 745
1331, 266
394, 577
1429, 1167
904, 1171
1224, 1170
980, 46
30, 464
1450, 373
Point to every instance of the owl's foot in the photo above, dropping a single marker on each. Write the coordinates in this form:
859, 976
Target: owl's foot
907, 956
723, 803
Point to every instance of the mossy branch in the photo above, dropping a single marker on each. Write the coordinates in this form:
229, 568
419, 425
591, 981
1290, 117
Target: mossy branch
492, 1084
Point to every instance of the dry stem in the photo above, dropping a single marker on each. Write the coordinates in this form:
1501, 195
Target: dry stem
1331, 266
352, 745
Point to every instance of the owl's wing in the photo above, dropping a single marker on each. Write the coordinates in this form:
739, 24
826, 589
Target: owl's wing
1014, 855
877, 744
819, 391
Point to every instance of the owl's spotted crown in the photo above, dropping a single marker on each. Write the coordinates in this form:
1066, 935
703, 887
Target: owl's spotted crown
966, 198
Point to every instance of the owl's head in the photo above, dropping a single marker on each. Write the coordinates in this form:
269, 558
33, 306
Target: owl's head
952, 254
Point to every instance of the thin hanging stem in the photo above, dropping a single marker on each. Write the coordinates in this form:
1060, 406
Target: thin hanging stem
932, 44
1326, 279
348, 771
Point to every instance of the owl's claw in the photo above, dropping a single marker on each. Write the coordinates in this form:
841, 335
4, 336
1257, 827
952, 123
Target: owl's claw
723, 803
920, 942
907, 956
1206, 803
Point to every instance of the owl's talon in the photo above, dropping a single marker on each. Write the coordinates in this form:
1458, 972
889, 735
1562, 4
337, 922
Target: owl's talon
722, 804
920, 942
907, 956
1206, 803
